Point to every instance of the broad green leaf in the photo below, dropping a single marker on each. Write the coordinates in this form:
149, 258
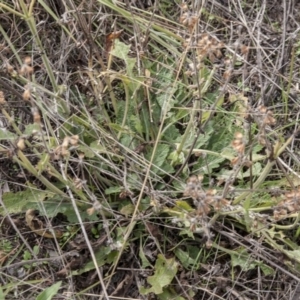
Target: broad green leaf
267, 270
241, 258
127, 209
159, 161
295, 255
176, 158
49, 292
165, 271
7, 135
256, 170
31, 128
184, 205
168, 294
184, 258
20, 201
113, 190
102, 255
121, 50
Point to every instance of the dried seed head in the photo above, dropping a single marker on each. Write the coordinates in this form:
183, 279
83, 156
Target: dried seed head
26, 70
36, 115
74, 140
64, 152
21, 144
235, 160
78, 183
9, 68
2, 98
227, 74
27, 60
90, 211
26, 95
244, 49
184, 6
65, 143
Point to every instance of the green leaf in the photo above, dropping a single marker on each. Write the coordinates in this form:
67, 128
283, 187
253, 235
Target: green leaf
127, 210
121, 50
144, 260
241, 258
7, 135
183, 205
49, 292
113, 190
20, 201
165, 271
184, 258
256, 170
31, 128
162, 152
102, 255
159, 161
169, 294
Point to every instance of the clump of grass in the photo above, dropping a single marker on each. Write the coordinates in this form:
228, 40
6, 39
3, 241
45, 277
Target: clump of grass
141, 142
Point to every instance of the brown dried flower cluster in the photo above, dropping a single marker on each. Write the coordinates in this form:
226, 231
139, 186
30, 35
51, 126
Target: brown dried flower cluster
63, 149
238, 144
2, 98
290, 204
206, 47
265, 116
203, 199
210, 47
187, 18
26, 68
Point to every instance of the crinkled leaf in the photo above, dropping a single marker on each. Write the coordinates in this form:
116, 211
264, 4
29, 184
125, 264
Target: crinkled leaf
256, 170
21, 201
165, 271
121, 50
241, 258
159, 161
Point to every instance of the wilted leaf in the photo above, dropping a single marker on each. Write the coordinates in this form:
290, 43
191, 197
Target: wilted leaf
37, 226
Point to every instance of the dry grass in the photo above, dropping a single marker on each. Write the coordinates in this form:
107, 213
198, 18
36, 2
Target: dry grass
149, 150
